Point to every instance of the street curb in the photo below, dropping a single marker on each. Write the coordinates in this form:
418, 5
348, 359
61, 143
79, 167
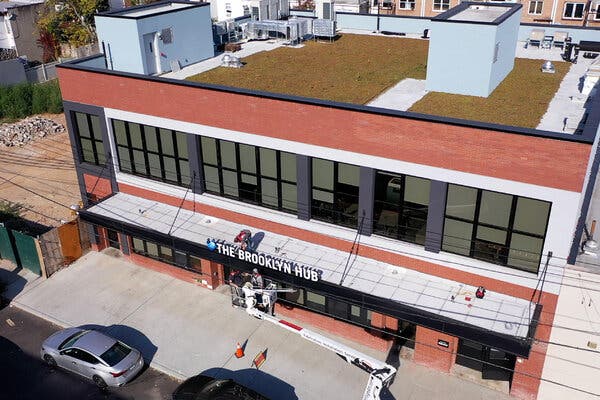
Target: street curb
154, 364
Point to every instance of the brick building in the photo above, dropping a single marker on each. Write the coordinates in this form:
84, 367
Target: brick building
385, 222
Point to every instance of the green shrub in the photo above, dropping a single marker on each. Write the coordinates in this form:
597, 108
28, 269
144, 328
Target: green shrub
17, 101
25, 99
46, 98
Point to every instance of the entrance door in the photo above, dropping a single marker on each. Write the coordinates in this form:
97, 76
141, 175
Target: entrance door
113, 239
150, 50
499, 365
494, 364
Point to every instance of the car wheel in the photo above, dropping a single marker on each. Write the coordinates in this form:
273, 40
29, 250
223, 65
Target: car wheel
99, 382
50, 361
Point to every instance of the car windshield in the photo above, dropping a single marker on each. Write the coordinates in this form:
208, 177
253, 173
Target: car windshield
115, 354
70, 341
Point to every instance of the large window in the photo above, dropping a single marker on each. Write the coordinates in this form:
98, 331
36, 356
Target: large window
165, 254
154, 153
441, 5
335, 192
401, 204
90, 138
327, 305
535, 7
495, 227
252, 174
574, 10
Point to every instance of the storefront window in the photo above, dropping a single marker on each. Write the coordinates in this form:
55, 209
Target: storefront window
401, 206
495, 227
335, 188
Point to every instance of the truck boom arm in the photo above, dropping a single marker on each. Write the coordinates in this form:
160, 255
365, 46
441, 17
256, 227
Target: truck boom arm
380, 374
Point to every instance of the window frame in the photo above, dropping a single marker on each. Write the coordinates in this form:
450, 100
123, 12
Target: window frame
536, 4
406, 4
337, 213
440, 5
147, 169
573, 11
401, 207
95, 139
510, 230
252, 193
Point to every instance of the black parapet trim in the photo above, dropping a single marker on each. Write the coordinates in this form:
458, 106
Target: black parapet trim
511, 344
338, 105
120, 13
444, 17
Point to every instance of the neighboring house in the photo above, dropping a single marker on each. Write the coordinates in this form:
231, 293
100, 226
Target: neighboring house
18, 28
381, 220
565, 12
155, 38
257, 9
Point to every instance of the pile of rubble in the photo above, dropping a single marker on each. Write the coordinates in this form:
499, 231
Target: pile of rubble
26, 130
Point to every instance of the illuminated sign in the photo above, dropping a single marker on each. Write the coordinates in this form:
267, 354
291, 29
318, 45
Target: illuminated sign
265, 260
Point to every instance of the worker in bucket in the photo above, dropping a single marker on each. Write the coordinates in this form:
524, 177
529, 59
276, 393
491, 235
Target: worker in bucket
256, 280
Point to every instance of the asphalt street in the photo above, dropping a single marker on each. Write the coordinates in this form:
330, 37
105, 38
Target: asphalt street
24, 376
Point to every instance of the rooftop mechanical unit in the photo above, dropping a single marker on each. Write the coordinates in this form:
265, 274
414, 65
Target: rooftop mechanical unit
324, 28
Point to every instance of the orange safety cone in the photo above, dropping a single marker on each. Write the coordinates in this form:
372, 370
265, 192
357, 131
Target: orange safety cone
239, 352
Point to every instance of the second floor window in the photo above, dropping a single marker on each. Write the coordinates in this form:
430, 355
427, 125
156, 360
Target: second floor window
90, 138
406, 5
154, 153
535, 7
441, 5
573, 11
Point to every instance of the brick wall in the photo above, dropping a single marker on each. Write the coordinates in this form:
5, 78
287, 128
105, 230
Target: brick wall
515, 157
429, 353
99, 187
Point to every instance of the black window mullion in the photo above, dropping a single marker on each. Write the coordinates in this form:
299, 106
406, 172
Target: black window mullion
475, 223
88, 120
145, 148
511, 221
163, 175
176, 155
220, 167
130, 147
279, 180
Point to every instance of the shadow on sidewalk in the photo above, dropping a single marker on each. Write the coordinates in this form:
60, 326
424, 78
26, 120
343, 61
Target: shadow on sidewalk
257, 380
129, 336
11, 284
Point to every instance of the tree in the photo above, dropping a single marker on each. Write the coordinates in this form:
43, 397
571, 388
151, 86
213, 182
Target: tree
68, 21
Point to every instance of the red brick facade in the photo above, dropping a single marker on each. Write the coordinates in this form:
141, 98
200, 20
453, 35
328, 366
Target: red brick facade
99, 188
428, 352
541, 161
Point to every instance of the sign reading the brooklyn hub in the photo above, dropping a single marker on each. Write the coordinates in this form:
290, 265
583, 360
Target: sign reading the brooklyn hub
265, 260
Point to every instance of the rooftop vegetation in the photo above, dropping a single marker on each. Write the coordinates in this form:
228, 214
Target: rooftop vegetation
357, 68
520, 100
353, 69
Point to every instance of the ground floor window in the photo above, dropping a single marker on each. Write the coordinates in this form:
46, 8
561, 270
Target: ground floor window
165, 254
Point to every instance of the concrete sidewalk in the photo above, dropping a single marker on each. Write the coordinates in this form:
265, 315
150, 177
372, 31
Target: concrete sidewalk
183, 330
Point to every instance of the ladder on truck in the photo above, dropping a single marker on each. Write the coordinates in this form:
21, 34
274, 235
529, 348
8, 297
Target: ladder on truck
381, 374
